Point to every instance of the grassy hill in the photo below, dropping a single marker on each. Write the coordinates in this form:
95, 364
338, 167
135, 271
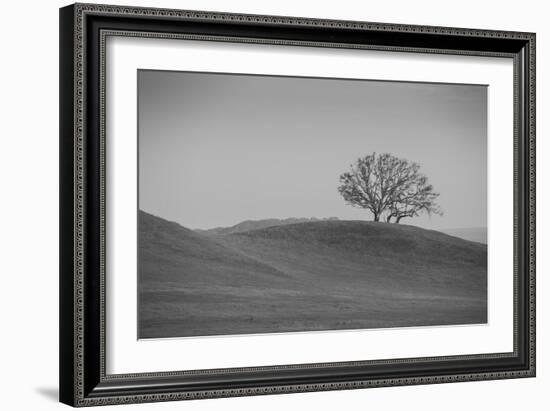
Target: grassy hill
317, 275
477, 234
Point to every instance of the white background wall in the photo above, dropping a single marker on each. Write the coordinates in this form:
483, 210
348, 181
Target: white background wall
29, 204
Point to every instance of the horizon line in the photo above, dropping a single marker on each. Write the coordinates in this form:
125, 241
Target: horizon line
333, 218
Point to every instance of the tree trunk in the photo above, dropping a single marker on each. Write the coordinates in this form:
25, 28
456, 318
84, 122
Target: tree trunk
388, 219
376, 217
398, 219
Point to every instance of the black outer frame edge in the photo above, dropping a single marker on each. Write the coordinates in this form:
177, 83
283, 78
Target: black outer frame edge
396, 37
228, 381
344, 35
92, 304
528, 185
66, 202
524, 208
94, 388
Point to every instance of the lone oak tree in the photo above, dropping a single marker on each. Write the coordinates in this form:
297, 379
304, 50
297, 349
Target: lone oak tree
387, 184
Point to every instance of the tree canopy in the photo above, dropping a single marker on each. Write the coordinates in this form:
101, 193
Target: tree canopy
388, 186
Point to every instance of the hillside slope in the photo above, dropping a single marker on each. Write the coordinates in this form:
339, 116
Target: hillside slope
368, 253
307, 276
477, 234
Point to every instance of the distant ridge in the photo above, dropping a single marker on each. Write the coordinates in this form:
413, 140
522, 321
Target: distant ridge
477, 234
249, 225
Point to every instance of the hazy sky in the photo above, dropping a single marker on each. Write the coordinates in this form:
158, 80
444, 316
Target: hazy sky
217, 149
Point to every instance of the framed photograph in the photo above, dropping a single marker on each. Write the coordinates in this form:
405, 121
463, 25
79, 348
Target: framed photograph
262, 204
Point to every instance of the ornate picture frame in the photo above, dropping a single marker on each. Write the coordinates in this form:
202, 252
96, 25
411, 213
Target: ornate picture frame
84, 31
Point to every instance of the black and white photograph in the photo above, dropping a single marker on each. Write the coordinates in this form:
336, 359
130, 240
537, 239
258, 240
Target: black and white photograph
262, 199
277, 204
